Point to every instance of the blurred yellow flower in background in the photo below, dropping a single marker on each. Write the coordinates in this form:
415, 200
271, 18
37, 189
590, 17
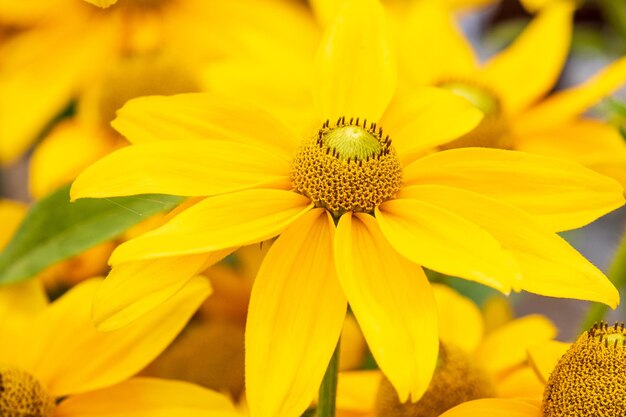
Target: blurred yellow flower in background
581, 379
55, 363
358, 229
60, 47
472, 364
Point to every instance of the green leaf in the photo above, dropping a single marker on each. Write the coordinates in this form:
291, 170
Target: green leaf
55, 229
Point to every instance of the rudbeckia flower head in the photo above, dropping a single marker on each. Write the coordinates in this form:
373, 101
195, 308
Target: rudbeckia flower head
590, 378
358, 207
584, 378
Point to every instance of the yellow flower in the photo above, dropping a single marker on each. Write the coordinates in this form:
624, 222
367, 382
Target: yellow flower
581, 379
519, 112
357, 209
62, 46
473, 364
54, 363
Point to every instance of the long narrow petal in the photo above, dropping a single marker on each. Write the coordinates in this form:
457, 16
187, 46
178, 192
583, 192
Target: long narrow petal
545, 42
549, 265
561, 194
203, 117
47, 174
544, 357
423, 120
450, 57
75, 357
19, 303
186, 168
294, 320
505, 348
220, 222
445, 242
460, 320
392, 301
568, 104
148, 397
592, 143
496, 407
134, 288
356, 69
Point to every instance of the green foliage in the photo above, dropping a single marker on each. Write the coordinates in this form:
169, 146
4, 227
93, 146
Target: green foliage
55, 229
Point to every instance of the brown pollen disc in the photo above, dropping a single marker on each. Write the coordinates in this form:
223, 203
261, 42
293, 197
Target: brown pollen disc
590, 378
349, 167
456, 380
21, 395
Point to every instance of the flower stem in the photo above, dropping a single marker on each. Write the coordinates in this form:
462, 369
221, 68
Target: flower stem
617, 275
328, 389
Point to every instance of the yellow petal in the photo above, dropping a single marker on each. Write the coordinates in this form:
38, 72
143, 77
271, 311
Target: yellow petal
217, 223
282, 88
203, 117
185, 168
521, 383
11, 213
505, 347
148, 397
426, 118
356, 67
294, 320
543, 357
560, 194
496, 311
19, 303
36, 85
592, 143
134, 288
102, 3
442, 241
460, 320
47, 174
392, 301
75, 357
568, 104
356, 390
545, 42
426, 63
496, 407
548, 264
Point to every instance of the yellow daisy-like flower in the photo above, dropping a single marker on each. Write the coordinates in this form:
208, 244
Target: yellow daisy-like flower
473, 364
53, 362
586, 378
61, 47
357, 210
519, 113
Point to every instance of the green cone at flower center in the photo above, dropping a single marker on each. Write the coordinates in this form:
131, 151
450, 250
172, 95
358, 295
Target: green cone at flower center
350, 166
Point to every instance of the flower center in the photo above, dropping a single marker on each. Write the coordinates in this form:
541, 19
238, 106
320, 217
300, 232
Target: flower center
136, 76
492, 130
21, 395
457, 379
350, 166
590, 378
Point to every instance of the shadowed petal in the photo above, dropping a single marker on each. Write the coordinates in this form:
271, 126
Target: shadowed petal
392, 301
295, 317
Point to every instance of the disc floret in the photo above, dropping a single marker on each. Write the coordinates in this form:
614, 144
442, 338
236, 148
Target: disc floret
22, 395
590, 378
350, 166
